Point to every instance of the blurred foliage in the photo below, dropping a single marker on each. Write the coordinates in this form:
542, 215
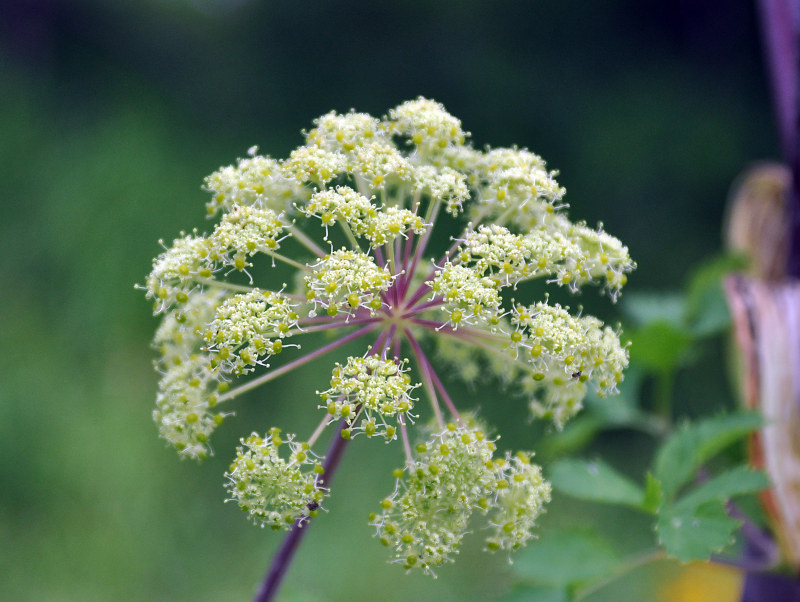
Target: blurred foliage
688, 507
112, 112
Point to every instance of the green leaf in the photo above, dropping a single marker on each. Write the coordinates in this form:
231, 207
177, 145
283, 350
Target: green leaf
643, 308
536, 593
621, 409
682, 454
695, 532
564, 558
706, 306
578, 433
595, 481
737, 481
653, 495
660, 346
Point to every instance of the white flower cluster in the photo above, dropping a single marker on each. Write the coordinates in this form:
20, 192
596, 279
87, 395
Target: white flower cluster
359, 217
428, 126
346, 280
176, 271
249, 327
468, 295
443, 184
354, 212
371, 387
453, 475
564, 352
190, 383
255, 181
243, 232
276, 491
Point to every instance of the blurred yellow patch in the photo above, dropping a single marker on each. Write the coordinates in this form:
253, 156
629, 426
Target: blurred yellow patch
701, 582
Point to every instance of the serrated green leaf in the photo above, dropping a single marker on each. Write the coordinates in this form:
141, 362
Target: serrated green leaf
695, 532
563, 558
737, 481
653, 496
595, 481
682, 454
660, 346
536, 593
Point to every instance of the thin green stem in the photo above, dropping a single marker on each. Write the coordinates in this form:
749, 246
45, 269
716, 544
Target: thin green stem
291, 262
239, 288
318, 431
663, 395
404, 436
626, 566
304, 240
361, 185
350, 236
390, 254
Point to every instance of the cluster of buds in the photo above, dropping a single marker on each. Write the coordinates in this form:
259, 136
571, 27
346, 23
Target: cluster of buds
353, 210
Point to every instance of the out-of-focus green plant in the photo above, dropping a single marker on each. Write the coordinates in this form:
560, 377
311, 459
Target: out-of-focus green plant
688, 505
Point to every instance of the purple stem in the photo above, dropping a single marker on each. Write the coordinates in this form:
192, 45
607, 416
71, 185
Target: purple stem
421, 245
422, 358
779, 30
463, 332
283, 558
418, 309
298, 362
426, 370
422, 290
338, 324
780, 23
408, 244
379, 257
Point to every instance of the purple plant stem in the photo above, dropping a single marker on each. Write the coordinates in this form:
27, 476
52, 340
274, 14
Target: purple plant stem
339, 324
418, 309
780, 29
418, 252
780, 24
384, 341
285, 554
298, 362
426, 370
398, 342
423, 288
379, 257
779, 35
283, 557
463, 332
404, 436
408, 244
432, 374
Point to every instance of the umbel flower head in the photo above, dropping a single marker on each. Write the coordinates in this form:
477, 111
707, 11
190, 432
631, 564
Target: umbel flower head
355, 212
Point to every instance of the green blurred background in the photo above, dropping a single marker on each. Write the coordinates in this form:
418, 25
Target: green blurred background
112, 112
